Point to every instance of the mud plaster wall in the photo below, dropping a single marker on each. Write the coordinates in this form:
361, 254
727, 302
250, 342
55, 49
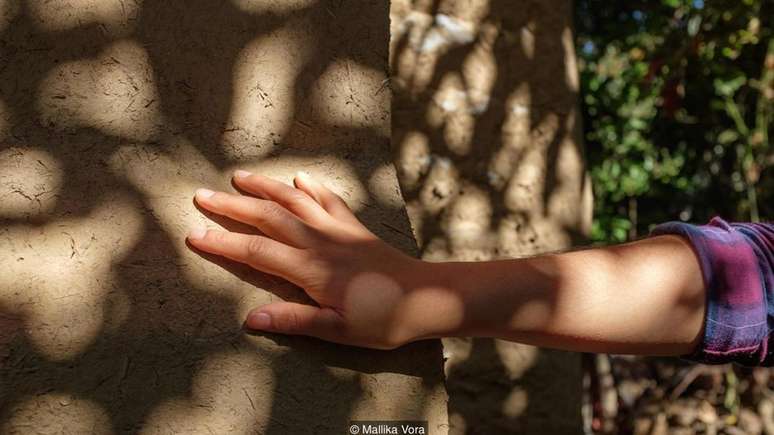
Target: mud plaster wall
112, 112
486, 133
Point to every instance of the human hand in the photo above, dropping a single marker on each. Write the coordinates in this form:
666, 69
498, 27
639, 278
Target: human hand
311, 238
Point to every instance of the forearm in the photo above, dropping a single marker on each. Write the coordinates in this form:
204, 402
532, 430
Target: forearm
642, 297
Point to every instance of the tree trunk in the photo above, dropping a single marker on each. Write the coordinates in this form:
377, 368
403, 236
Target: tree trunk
488, 146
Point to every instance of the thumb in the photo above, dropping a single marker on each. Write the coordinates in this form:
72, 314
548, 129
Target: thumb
296, 319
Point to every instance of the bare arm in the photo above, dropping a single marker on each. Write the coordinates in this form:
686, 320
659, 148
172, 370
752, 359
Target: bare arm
642, 297
645, 297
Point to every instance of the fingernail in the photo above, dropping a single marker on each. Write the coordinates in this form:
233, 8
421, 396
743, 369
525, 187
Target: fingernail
241, 174
259, 320
197, 233
303, 175
204, 193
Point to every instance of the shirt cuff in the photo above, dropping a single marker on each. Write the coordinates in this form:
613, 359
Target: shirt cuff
735, 324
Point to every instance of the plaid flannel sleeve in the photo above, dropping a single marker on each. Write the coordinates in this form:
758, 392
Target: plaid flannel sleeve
737, 263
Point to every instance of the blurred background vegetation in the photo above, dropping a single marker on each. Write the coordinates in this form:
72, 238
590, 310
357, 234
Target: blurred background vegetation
678, 104
677, 98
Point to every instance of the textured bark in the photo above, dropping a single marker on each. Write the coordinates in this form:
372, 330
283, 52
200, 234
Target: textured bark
488, 146
111, 114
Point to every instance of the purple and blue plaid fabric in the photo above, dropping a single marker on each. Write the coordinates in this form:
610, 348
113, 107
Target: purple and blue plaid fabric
737, 261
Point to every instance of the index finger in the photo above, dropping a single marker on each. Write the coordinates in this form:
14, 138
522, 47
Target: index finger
295, 200
259, 252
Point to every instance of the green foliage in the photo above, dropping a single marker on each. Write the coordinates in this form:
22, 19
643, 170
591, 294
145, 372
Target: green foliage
678, 99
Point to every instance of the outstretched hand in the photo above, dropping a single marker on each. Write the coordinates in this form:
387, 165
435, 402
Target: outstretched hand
646, 296
310, 237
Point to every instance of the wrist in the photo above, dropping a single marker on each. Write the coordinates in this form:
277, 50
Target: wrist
509, 299
433, 306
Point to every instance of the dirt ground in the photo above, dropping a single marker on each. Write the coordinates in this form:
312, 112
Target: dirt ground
112, 112
487, 139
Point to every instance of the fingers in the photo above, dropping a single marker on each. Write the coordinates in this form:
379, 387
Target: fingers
268, 216
289, 197
332, 203
297, 319
260, 252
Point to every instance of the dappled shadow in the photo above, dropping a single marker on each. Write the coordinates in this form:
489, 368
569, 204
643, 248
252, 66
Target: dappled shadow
487, 143
513, 402
136, 107
143, 103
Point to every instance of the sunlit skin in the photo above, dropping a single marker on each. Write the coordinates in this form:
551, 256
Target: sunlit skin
644, 297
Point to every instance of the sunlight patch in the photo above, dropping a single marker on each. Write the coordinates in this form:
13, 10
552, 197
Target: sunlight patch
115, 93
59, 275
276, 7
65, 414
29, 182
262, 111
231, 393
112, 15
349, 94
